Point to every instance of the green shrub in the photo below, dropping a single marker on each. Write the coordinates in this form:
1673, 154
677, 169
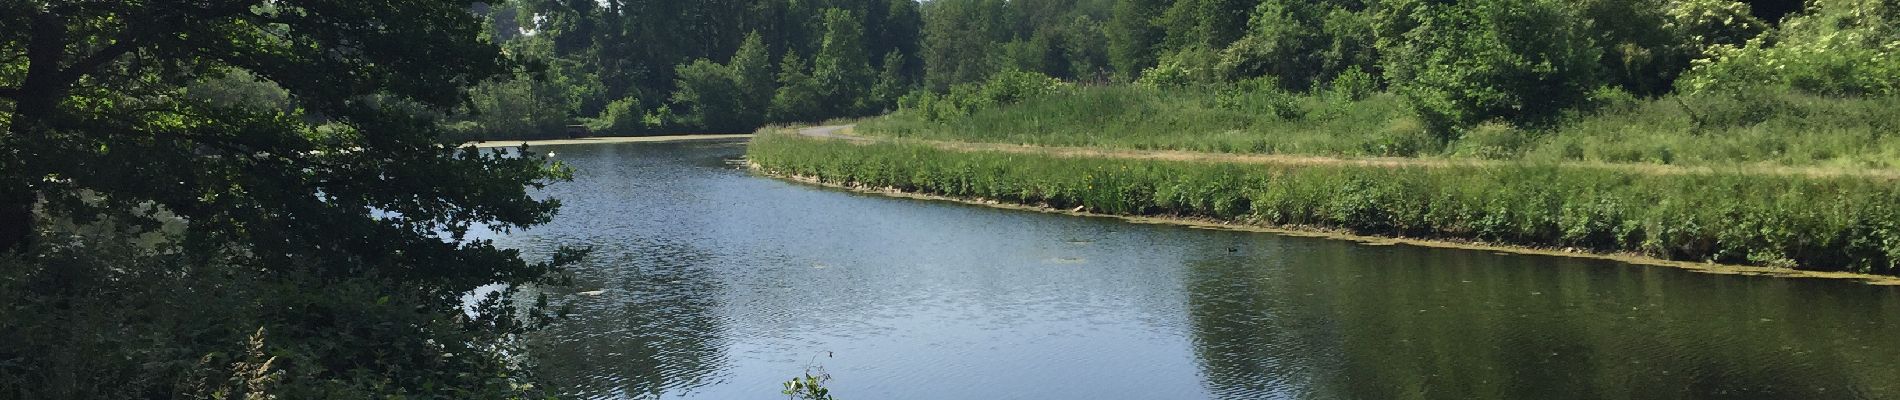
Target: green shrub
1003, 88
1525, 61
1494, 141
1261, 95
1193, 66
621, 117
1837, 47
1354, 85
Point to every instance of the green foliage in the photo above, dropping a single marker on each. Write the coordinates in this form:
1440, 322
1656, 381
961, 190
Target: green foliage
1300, 43
842, 69
1003, 88
100, 316
1524, 61
1354, 85
319, 248
1205, 23
521, 107
809, 387
239, 88
1260, 119
1760, 127
1261, 95
753, 66
712, 94
1134, 39
961, 36
1838, 47
799, 95
891, 83
1758, 219
601, 51
621, 117
1190, 67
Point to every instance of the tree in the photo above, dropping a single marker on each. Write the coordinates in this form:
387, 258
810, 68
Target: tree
960, 39
1133, 38
354, 200
841, 68
753, 65
1284, 40
1524, 61
904, 33
1205, 23
891, 82
1837, 47
713, 97
798, 98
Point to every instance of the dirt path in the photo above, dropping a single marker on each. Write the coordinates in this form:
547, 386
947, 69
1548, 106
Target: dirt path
843, 132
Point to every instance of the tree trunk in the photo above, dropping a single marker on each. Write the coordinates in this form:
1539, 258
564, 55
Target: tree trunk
16, 222
35, 101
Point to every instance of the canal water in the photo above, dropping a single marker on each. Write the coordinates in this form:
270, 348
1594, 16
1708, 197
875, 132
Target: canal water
717, 284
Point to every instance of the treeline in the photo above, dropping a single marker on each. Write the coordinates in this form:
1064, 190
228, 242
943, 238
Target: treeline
649, 66
1455, 63
654, 66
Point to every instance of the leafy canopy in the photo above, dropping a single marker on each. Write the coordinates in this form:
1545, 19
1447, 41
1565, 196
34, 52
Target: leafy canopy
343, 178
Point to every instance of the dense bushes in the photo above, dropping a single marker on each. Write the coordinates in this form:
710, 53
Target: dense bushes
97, 313
1003, 88
1838, 47
1729, 218
1225, 118
1525, 61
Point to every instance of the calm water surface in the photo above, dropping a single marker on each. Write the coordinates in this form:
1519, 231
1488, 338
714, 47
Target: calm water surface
720, 285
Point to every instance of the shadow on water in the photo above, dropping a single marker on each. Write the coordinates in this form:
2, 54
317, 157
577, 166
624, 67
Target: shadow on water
1342, 320
651, 329
711, 283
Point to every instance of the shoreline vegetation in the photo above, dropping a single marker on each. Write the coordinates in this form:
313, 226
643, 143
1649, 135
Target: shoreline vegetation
1687, 131
1718, 222
1335, 234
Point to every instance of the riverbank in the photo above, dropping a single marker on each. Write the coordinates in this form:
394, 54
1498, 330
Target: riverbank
607, 140
1717, 222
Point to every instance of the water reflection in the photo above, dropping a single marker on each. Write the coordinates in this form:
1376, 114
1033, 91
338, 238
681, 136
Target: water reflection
716, 284
1349, 321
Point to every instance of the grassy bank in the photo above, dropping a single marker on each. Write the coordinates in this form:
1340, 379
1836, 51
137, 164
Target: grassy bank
1832, 224
1782, 129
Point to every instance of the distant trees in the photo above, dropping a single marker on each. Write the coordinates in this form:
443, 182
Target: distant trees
1135, 36
961, 38
1456, 62
842, 69
798, 96
635, 66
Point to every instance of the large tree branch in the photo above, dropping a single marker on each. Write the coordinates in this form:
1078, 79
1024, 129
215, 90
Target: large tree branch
119, 47
128, 41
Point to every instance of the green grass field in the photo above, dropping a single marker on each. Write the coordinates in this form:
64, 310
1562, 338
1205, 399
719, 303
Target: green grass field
1771, 129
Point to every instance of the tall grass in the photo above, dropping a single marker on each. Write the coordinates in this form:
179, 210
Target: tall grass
1842, 223
1784, 129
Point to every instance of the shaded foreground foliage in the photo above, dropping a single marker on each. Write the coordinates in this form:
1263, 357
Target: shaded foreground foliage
251, 198
1753, 219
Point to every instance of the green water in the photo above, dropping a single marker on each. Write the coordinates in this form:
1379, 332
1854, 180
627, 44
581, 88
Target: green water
716, 284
